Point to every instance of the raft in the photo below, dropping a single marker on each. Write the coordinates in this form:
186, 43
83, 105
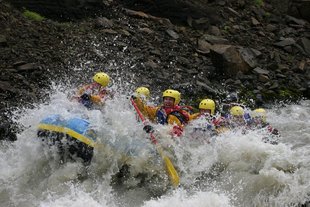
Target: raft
73, 136
77, 138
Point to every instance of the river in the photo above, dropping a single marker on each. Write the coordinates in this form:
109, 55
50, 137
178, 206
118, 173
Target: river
235, 170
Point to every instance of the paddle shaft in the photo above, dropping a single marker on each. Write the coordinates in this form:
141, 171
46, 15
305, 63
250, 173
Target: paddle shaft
143, 120
171, 171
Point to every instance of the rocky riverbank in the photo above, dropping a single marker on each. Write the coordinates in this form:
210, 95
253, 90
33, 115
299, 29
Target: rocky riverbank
200, 49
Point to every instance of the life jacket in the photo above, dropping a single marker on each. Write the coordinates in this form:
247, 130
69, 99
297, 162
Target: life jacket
163, 114
94, 89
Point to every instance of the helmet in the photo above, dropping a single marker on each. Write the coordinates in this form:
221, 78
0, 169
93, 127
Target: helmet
101, 78
208, 104
143, 91
173, 94
260, 113
236, 111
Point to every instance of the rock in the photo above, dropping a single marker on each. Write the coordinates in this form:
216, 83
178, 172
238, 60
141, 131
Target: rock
305, 43
295, 20
3, 41
18, 63
263, 78
151, 64
255, 22
203, 46
275, 85
109, 31
271, 27
228, 60
214, 31
27, 67
207, 87
214, 39
249, 55
6, 86
103, 22
285, 42
146, 30
6, 131
233, 11
172, 34
258, 70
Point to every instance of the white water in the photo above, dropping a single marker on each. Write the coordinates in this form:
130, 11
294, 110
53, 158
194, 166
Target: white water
236, 170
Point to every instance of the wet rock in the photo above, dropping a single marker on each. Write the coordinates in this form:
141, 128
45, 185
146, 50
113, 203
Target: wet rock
285, 42
263, 78
271, 27
249, 55
172, 34
255, 22
228, 60
146, 30
3, 40
296, 20
305, 43
203, 46
259, 70
6, 133
215, 40
103, 22
27, 67
207, 87
214, 31
275, 85
151, 64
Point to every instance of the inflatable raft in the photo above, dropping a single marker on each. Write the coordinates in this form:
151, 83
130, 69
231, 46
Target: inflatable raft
73, 136
76, 138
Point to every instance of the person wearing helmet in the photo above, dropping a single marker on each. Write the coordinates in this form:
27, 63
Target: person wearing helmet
259, 117
168, 113
96, 92
206, 108
236, 117
202, 124
259, 121
142, 92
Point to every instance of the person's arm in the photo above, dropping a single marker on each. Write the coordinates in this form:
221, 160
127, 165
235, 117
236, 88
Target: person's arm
149, 111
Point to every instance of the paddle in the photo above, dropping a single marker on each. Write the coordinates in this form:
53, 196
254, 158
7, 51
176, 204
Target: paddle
171, 171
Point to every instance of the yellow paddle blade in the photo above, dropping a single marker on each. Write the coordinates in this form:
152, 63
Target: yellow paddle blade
171, 171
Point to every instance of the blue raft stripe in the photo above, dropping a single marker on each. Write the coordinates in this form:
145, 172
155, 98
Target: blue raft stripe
69, 132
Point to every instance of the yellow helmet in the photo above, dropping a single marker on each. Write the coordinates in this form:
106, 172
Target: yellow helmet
260, 113
143, 91
236, 111
207, 104
101, 78
173, 94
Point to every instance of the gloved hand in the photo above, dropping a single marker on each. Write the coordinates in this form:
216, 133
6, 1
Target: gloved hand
148, 128
177, 131
85, 97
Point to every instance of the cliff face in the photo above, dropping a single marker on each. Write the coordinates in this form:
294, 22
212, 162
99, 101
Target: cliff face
200, 48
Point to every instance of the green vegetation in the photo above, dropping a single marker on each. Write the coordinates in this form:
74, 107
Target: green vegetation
33, 15
259, 2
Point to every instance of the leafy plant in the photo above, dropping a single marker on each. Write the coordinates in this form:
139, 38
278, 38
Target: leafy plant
259, 2
33, 15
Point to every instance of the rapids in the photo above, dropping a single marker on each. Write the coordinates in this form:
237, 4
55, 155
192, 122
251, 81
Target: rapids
234, 170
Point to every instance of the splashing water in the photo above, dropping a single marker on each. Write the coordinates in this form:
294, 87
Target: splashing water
233, 170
